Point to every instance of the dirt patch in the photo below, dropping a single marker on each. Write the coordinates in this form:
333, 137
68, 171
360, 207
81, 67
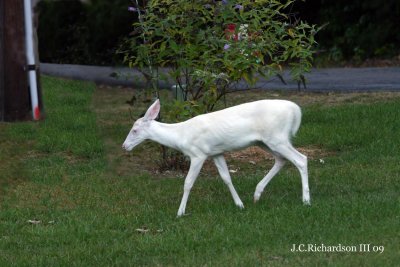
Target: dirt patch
256, 154
313, 98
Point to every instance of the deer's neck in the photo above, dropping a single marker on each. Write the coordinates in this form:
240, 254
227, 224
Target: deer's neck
170, 135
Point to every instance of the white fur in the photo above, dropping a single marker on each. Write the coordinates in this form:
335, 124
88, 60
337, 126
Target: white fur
267, 123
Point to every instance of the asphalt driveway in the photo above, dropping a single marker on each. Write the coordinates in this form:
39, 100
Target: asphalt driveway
318, 80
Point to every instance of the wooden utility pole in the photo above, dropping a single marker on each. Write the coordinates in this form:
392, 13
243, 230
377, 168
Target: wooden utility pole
1, 60
14, 88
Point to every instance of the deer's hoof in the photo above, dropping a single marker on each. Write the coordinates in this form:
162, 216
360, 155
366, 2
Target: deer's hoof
256, 197
240, 205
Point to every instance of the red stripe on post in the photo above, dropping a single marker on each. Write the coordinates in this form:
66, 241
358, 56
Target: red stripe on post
36, 113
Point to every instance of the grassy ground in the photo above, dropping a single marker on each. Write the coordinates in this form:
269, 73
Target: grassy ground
71, 197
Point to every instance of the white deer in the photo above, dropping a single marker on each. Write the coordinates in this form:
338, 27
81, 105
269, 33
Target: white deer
268, 124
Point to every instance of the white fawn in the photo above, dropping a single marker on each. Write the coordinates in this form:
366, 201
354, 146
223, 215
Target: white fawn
268, 124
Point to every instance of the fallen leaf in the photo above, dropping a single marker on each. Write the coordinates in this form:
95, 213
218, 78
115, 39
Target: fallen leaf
142, 230
34, 221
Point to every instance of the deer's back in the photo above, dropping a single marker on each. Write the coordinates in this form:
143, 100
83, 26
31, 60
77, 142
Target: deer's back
243, 125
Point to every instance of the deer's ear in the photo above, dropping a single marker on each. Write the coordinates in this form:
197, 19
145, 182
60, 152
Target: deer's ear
152, 112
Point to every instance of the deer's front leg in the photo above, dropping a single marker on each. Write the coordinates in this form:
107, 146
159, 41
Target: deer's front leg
195, 167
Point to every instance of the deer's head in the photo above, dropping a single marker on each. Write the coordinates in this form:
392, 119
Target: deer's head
140, 129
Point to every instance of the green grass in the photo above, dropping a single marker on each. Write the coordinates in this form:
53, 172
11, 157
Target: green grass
69, 172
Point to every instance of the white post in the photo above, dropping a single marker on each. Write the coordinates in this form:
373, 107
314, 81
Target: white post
31, 59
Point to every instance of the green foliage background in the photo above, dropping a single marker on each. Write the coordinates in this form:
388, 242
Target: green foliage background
355, 29
76, 33
70, 32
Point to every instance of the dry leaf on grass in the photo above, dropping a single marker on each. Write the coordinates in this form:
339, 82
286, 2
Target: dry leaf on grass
143, 230
34, 222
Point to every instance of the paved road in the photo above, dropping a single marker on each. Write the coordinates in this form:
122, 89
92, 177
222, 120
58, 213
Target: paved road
318, 80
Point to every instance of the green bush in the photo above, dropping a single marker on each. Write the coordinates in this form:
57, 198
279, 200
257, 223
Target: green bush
209, 45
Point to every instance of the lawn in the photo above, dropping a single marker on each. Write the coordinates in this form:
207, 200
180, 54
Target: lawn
71, 197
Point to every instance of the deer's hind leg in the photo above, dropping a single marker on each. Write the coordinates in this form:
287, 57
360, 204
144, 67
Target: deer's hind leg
279, 163
286, 150
226, 177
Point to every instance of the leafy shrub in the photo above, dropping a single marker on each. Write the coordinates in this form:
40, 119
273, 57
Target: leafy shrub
209, 45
